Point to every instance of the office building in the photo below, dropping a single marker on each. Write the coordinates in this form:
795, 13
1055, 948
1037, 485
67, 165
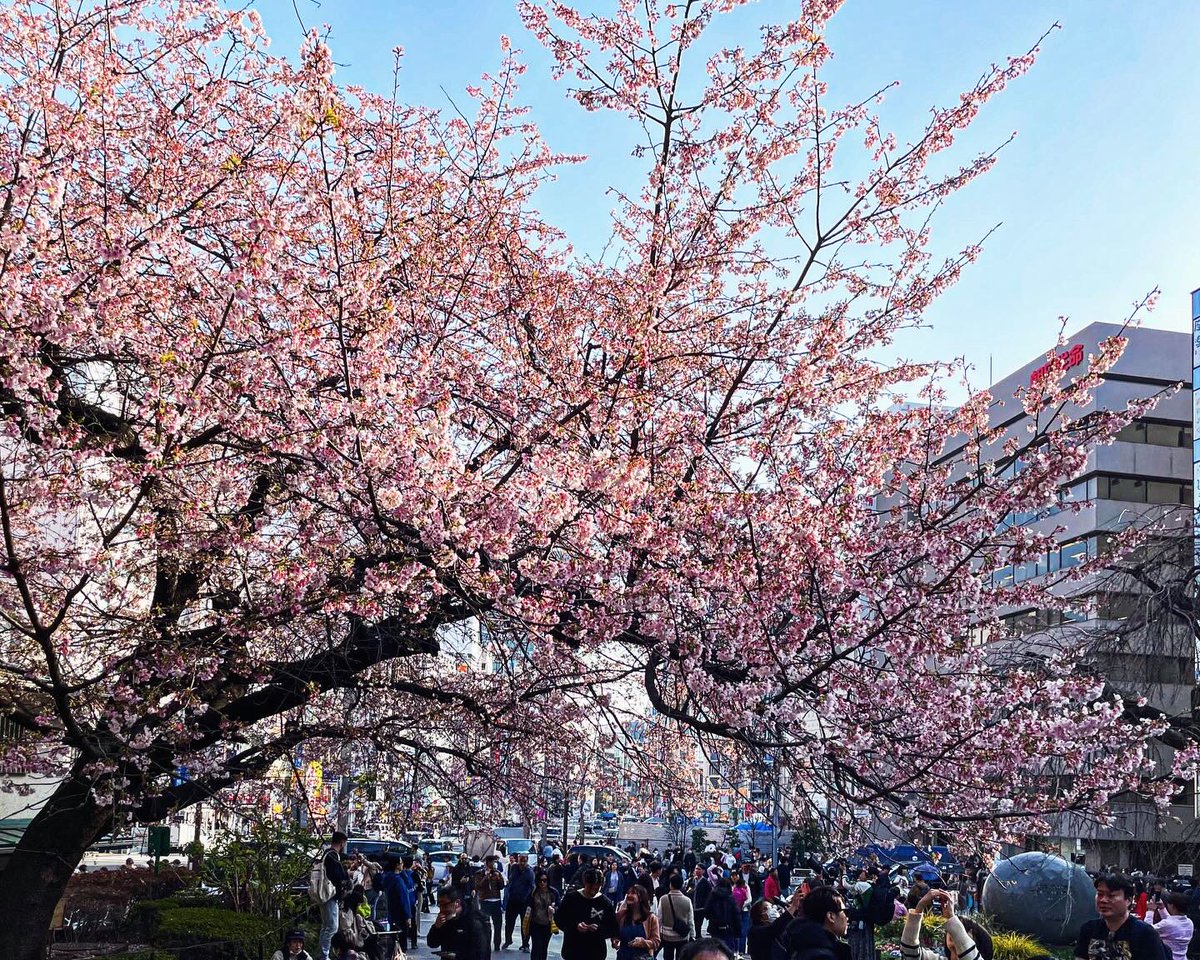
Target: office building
1145, 476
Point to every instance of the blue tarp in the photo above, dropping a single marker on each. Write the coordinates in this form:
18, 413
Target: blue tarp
910, 856
748, 827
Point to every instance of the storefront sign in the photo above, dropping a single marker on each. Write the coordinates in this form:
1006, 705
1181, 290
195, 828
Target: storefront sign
1063, 362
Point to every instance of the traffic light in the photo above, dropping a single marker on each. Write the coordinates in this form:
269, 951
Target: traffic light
158, 841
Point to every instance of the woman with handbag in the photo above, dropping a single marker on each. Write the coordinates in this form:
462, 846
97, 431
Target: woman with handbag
540, 917
676, 919
637, 927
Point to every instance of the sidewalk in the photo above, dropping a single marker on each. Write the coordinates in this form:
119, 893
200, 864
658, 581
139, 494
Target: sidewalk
422, 952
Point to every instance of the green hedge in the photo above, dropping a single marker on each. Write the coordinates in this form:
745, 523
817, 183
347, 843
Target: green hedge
205, 932
146, 954
192, 924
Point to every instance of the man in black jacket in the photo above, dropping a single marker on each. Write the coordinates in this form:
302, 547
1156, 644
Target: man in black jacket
784, 866
521, 880
699, 888
555, 872
460, 875
587, 920
458, 931
651, 879
816, 933
336, 874
1118, 934
724, 918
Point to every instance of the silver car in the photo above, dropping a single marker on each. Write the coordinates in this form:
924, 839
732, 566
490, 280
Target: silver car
440, 863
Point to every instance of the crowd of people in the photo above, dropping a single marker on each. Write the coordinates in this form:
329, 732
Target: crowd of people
714, 905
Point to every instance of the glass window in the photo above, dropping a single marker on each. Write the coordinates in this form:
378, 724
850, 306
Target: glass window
1133, 432
1159, 492
1122, 488
1158, 434
1073, 554
1163, 434
1117, 606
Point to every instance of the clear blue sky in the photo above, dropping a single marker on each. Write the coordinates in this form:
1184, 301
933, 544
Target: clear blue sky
1097, 197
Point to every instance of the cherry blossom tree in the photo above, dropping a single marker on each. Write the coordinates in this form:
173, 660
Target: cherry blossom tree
296, 378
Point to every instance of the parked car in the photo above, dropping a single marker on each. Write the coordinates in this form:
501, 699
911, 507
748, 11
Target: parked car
377, 850
520, 845
589, 850
441, 844
440, 863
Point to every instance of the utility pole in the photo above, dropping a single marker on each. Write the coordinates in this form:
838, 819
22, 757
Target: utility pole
566, 813
345, 786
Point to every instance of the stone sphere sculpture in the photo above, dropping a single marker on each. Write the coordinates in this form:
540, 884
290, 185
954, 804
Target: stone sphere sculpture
1041, 895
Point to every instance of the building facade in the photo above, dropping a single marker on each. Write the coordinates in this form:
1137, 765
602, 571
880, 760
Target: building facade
1145, 477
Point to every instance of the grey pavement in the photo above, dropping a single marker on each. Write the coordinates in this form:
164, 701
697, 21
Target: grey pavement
512, 953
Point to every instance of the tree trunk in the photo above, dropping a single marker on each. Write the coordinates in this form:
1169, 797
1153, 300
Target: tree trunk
45, 857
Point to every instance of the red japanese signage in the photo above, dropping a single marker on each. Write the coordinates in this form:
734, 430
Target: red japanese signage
1064, 361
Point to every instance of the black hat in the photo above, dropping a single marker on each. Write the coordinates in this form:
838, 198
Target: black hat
294, 935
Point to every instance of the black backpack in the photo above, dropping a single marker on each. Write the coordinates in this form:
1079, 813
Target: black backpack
881, 905
722, 916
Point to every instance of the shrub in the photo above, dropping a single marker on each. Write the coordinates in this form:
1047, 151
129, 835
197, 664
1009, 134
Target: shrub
258, 871
188, 924
889, 932
1016, 946
142, 954
205, 932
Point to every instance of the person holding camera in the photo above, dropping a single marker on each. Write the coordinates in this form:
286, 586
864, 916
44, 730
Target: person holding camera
965, 939
1174, 926
765, 929
489, 885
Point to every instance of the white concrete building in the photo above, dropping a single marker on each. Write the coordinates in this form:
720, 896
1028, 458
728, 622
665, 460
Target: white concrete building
1145, 475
